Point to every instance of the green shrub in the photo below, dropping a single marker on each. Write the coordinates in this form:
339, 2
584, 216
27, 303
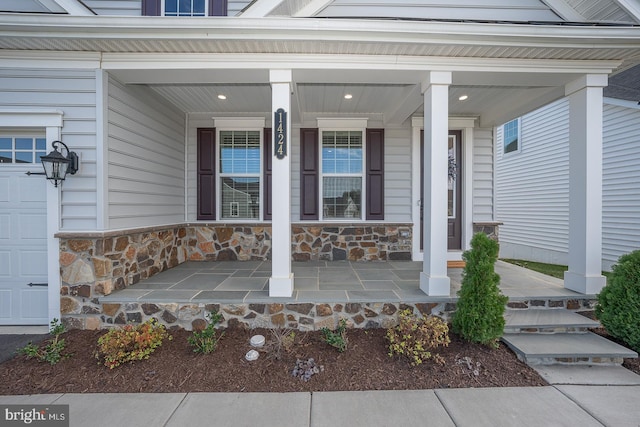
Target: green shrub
337, 338
416, 338
618, 307
131, 343
52, 351
479, 315
206, 341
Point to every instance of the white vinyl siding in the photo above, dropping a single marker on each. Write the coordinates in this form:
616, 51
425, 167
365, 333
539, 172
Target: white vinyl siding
483, 175
115, 7
74, 93
397, 174
145, 158
621, 183
532, 188
532, 192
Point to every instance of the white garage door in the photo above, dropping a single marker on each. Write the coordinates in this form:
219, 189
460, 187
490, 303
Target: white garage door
23, 246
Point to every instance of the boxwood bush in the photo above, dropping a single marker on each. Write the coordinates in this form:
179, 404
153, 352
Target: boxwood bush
618, 307
479, 315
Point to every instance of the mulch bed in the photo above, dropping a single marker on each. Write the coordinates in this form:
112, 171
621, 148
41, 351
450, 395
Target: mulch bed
174, 367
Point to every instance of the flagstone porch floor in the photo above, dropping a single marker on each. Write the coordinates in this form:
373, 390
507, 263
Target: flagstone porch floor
232, 282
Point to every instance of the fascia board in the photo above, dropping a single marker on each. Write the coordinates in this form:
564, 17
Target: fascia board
48, 59
115, 61
115, 27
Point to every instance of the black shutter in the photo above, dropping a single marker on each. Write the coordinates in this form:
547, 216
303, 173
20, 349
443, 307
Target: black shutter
268, 177
151, 8
207, 173
309, 174
375, 174
217, 7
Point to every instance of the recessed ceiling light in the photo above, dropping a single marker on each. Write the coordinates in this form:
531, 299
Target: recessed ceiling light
348, 96
221, 96
463, 97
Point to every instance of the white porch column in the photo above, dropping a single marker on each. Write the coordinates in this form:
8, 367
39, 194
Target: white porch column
434, 279
585, 184
281, 281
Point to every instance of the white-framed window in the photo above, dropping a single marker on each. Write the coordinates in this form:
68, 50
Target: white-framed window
511, 142
21, 147
342, 170
240, 174
185, 7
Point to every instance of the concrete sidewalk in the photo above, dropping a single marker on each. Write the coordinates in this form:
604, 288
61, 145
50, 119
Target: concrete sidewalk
560, 405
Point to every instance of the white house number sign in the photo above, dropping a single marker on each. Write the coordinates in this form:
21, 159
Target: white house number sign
280, 124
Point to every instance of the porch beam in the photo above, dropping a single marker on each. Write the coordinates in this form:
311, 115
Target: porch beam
585, 184
281, 281
433, 278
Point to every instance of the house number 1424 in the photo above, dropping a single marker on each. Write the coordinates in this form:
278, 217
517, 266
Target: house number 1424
280, 124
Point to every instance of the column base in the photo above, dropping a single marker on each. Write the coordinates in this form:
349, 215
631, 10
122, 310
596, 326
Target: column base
435, 286
281, 286
587, 285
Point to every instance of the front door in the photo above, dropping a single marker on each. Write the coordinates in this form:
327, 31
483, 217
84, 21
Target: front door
454, 204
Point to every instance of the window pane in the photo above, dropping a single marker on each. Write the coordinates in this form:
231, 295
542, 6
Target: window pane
40, 154
341, 197
24, 157
198, 7
5, 143
5, 157
342, 152
41, 144
510, 135
170, 7
184, 8
24, 143
240, 152
240, 197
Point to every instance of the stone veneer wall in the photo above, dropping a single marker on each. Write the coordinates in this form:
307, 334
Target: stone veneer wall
301, 316
96, 264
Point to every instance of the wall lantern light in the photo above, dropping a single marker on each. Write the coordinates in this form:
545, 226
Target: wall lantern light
57, 166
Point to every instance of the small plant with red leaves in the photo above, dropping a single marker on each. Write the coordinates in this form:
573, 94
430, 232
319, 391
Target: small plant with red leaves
130, 343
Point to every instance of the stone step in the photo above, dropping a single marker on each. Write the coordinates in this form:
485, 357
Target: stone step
566, 348
546, 321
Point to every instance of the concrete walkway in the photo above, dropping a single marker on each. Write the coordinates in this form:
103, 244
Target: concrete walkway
562, 405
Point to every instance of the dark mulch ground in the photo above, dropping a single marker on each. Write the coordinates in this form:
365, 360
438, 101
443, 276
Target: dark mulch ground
175, 368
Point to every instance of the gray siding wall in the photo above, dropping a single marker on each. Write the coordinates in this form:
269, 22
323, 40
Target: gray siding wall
146, 165
483, 209
74, 93
397, 174
621, 182
115, 7
134, 7
532, 187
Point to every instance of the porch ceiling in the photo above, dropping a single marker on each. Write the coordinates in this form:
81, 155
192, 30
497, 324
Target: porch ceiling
389, 96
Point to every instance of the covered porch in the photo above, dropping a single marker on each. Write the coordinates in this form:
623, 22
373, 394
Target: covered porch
366, 294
